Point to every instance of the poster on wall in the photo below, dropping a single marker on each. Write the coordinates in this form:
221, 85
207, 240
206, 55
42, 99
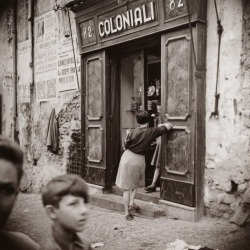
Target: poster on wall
67, 78
24, 81
46, 57
41, 91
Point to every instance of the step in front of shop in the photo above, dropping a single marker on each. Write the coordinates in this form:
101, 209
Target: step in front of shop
115, 202
140, 195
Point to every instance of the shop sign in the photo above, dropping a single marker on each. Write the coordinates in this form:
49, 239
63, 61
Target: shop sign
87, 30
127, 20
174, 8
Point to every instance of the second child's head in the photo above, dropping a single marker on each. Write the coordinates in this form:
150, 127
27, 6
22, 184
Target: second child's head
65, 199
143, 117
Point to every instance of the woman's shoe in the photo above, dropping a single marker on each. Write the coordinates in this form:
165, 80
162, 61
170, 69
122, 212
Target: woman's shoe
150, 189
133, 208
129, 217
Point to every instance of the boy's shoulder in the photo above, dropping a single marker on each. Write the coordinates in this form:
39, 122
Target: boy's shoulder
84, 241
81, 242
16, 240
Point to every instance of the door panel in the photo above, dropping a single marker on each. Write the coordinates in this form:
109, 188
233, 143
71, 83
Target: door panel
132, 89
177, 178
113, 151
96, 167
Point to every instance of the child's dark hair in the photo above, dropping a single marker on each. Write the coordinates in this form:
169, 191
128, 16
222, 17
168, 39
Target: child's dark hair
64, 185
11, 151
142, 117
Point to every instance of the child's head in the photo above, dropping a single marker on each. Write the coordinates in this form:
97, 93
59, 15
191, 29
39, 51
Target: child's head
143, 117
65, 199
11, 170
10, 151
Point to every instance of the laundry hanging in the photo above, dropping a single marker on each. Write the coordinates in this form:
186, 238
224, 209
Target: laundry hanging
52, 133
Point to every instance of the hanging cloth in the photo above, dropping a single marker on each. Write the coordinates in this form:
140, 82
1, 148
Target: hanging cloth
52, 133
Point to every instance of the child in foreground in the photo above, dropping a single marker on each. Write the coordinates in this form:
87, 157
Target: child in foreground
65, 199
11, 172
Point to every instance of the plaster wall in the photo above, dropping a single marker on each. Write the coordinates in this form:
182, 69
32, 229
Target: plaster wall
227, 172
41, 164
6, 70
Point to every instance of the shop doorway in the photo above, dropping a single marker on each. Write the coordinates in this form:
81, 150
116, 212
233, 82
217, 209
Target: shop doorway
140, 81
157, 75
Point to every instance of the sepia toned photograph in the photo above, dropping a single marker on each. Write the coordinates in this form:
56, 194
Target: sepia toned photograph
125, 124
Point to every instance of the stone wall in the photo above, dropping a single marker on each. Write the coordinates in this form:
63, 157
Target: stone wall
45, 164
33, 116
227, 171
6, 69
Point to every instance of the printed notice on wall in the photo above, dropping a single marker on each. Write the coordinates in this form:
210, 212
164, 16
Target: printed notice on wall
67, 78
46, 57
24, 80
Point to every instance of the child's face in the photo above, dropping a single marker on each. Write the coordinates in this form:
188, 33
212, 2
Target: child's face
9, 186
72, 213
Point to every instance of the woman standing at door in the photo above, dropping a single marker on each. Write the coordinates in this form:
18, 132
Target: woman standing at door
131, 170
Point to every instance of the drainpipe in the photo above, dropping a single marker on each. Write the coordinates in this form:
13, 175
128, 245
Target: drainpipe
31, 37
14, 33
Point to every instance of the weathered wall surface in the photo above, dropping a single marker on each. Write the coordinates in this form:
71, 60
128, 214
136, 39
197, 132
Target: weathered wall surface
33, 115
227, 171
6, 69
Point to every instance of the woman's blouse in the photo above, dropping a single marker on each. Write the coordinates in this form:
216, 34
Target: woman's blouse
140, 139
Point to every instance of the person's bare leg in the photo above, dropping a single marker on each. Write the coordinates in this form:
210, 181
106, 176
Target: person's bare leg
155, 178
132, 196
126, 199
152, 186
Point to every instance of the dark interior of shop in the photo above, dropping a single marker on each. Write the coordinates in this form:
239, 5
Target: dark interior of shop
140, 72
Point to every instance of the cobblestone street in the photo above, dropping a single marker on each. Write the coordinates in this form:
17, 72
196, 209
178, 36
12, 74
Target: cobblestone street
116, 233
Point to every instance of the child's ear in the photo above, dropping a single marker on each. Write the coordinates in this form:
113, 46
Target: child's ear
50, 211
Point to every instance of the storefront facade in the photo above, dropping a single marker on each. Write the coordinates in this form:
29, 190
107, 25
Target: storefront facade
145, 54
138, 59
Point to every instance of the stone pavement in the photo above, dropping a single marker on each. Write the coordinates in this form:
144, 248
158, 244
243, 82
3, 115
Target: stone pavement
116, 233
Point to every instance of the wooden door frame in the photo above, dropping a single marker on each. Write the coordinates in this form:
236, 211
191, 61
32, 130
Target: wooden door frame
199, 98
116, 52
103, 175
113, 152
112, 93
200, 42
83, 115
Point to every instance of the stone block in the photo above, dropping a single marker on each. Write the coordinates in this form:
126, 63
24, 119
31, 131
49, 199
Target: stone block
66, 125
178, 211
95, 189
246, 196
240, 217
242, 187
225, 198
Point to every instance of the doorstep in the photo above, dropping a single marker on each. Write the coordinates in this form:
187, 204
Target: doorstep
150, 203
141, 194
112, 199
115, 202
